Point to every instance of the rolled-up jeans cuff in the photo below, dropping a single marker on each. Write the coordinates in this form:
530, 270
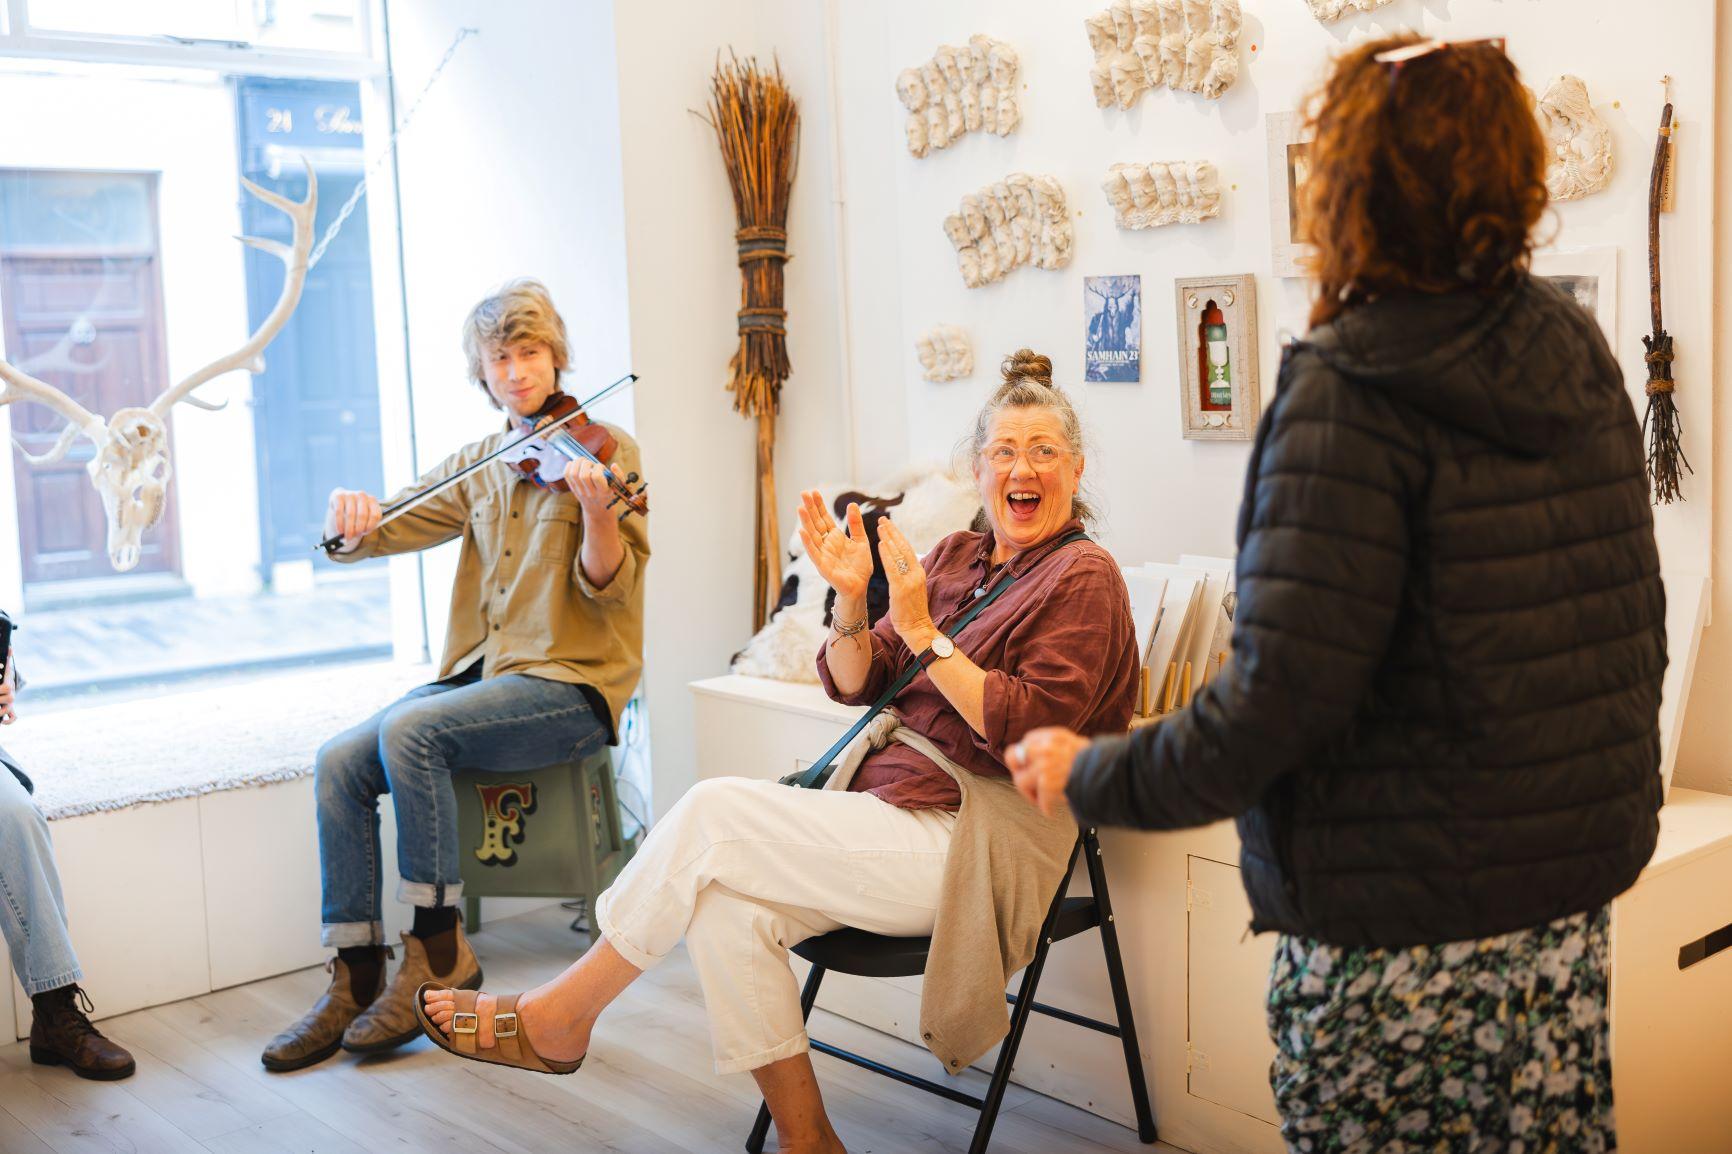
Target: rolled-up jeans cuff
425, 894
340, 935
43, 985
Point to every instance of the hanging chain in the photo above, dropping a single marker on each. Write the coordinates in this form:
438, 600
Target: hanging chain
348, 208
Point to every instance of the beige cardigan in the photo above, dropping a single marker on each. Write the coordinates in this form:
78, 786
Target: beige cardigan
1005, 863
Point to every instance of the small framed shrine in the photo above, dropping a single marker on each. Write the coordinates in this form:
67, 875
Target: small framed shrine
1219, 399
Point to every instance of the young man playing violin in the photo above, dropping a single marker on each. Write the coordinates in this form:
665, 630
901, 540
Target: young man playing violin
543, 648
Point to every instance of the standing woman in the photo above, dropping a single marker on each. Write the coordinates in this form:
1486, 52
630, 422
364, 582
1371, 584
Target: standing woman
1439, 732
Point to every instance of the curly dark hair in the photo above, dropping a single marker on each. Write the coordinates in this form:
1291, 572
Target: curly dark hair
1425, 177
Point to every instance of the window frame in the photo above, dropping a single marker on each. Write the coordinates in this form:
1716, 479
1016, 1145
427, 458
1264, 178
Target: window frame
19, 40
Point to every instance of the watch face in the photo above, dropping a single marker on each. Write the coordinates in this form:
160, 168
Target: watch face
942, 646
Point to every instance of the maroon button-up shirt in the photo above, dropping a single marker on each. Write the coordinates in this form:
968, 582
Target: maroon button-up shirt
1057, 646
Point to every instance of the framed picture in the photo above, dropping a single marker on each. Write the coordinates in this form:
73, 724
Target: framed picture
1591, 276
1113, 343
1217, 316
1289, 169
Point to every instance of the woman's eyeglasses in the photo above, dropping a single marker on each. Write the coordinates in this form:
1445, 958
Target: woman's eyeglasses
1042, 458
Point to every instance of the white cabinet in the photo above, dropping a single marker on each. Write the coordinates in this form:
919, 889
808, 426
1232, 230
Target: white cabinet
1672, 1015
755, 727
1229, 1050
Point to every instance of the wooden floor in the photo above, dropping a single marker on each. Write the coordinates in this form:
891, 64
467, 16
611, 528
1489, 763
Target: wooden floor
647, 1088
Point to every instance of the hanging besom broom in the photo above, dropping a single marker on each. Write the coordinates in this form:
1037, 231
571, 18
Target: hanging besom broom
758, 127
1662, 427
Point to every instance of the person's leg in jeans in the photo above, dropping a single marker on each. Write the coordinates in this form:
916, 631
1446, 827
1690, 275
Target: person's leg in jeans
34, 923
503, 724
348, 779
34, 918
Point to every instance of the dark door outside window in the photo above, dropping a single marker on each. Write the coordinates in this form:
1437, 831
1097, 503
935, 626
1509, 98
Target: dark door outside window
81, 294
316, 416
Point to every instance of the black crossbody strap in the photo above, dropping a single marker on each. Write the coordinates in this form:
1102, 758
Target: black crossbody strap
819, 771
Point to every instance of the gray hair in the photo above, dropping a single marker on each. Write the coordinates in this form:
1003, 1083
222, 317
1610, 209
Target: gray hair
1028, 385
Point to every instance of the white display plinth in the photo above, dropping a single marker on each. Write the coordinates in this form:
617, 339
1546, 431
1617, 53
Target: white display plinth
1198, 979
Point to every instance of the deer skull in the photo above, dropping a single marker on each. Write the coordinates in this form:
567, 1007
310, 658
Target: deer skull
131, 473
131, 468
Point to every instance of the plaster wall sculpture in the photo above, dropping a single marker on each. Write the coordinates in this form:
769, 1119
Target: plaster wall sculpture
1163, 192
1186, 45
945, 354
1579, 160
1330, 11
1020, 220
131, 467
962, 89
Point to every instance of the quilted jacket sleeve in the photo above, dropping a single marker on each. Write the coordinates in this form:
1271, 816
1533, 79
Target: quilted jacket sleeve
1323, 560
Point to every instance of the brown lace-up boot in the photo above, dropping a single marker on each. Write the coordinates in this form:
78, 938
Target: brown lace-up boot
61, 1035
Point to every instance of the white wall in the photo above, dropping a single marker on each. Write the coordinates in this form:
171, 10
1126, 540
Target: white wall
510, 168
181, 127
684, 285
1702, 756
1162, 494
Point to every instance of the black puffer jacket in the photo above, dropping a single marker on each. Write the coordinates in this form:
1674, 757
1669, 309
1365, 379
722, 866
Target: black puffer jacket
1441, 717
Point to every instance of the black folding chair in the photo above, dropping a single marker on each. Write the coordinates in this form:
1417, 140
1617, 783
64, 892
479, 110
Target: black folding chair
853, 951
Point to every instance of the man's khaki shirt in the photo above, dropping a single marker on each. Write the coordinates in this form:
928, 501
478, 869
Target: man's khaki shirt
521, 602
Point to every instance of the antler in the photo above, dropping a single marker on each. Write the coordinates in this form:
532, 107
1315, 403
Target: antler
294, 257
21, 386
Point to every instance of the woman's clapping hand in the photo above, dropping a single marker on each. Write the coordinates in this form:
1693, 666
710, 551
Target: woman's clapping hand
843, 556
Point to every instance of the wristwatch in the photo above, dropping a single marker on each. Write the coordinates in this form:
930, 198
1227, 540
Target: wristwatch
940, 648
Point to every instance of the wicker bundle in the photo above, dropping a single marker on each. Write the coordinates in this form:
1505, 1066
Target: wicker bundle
758, 127
1667, 463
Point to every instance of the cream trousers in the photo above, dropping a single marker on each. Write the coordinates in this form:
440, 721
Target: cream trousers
744, 869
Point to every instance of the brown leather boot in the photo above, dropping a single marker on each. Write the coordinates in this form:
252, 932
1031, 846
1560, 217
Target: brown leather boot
390, 1021
319, 1033
61, 1035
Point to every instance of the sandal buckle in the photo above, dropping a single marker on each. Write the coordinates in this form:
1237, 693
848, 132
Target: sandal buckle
505, 1025
465, 1023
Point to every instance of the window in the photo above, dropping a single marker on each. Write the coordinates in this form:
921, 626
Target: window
120, 274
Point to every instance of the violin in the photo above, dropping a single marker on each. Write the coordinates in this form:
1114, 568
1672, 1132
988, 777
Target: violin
572, 436
545, 441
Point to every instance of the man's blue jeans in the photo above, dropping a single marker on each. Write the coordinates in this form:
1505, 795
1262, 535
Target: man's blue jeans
34, 913
410, 749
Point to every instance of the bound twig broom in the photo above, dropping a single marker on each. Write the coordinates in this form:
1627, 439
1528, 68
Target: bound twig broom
1666, 461
758, 127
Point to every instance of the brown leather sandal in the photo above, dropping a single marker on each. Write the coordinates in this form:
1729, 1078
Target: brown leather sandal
511, 1045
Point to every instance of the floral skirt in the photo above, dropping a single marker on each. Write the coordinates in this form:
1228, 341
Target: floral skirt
1498, 1046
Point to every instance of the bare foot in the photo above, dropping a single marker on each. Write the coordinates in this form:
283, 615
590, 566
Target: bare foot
550, 1034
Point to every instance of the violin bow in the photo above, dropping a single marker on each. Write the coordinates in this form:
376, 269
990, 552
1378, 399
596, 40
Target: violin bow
391, 512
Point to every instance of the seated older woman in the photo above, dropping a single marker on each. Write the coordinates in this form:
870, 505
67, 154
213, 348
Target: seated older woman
918, 831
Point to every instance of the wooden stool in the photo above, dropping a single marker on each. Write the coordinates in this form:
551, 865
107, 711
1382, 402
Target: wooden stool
549, 832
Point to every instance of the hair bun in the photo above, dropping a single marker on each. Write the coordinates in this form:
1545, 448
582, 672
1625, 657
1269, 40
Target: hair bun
1027, 365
